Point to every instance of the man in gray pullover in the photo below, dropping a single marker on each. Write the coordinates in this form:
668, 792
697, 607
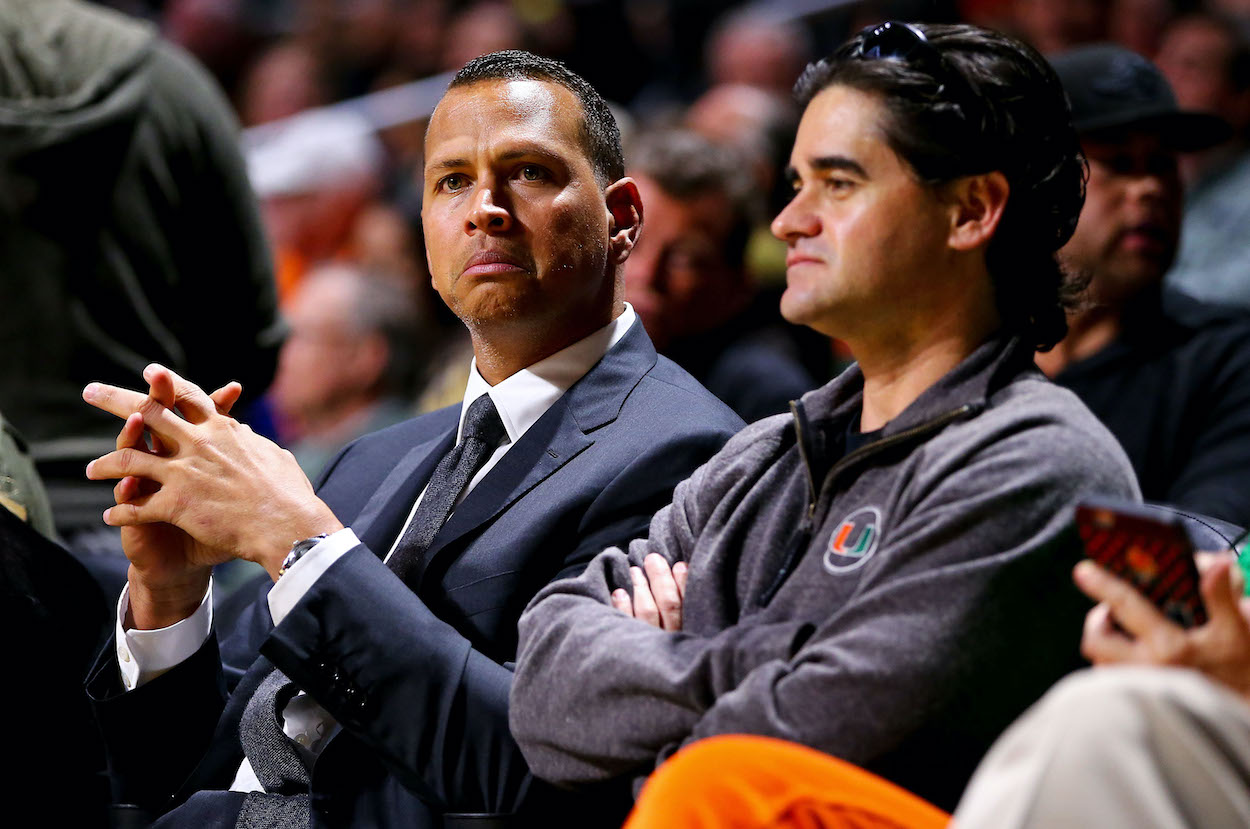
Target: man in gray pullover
882, 574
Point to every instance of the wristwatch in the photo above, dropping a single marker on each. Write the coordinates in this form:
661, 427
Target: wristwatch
298, 549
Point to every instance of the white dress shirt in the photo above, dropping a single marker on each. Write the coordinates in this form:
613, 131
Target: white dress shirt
520, 400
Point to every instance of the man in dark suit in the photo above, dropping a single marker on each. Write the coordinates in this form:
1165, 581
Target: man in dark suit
572, 433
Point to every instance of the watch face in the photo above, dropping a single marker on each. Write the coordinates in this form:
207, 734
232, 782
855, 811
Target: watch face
298, 549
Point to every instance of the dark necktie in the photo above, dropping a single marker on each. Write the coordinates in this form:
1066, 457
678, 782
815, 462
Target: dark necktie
275, 759
483, 431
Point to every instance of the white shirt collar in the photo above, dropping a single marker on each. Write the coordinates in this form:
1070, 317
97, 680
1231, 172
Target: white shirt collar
525, 396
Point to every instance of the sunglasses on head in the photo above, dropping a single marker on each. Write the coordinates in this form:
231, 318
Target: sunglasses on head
895, 40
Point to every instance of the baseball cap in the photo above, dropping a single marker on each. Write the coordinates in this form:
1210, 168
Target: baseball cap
314, 150
1110, 88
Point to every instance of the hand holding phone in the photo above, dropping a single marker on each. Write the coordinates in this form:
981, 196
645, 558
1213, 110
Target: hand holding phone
1219, 647
1148, 551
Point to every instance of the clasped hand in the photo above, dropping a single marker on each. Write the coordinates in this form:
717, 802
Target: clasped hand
231, 492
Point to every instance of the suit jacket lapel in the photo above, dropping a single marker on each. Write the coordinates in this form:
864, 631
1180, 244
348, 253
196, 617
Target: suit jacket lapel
549, 444
558, 436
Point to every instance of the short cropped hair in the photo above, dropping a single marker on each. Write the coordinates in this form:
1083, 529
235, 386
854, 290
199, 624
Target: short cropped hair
991, 103
600, 136
685, 165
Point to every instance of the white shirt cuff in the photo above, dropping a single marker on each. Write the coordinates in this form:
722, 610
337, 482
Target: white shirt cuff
143, 655
297, 581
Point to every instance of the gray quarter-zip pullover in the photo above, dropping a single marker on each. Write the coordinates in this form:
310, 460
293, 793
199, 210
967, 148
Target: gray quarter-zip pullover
896, 606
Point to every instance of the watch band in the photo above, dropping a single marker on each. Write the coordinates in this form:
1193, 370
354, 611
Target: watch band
298, 550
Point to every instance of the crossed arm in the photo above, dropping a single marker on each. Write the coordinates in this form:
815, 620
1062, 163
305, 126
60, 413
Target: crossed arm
1220, 649
581, 663
658, 592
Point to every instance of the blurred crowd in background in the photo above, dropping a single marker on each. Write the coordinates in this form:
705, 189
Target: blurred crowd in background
333, 96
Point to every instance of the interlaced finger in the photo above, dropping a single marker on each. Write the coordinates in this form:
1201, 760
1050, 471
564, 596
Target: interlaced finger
130, 437
123, 463
188, 398
226, 396
159, 419
150, 509
131, 434
131, 488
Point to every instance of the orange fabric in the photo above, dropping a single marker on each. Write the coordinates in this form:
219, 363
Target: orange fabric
289, 269
291, 266
748, 782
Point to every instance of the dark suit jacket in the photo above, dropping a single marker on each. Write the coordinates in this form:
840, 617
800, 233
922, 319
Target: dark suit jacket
417, 673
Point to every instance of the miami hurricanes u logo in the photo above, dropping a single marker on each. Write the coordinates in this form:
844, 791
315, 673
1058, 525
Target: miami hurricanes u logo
854, 540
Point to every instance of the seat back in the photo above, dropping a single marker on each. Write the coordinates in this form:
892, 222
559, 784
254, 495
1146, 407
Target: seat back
1205, 532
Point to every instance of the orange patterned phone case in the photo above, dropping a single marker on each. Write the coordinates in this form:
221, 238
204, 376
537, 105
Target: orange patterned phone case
1152, 554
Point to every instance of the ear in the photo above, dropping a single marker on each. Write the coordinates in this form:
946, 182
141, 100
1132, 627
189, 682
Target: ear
624, 218
977, 205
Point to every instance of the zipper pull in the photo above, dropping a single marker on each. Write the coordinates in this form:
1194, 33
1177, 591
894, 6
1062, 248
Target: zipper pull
798, 544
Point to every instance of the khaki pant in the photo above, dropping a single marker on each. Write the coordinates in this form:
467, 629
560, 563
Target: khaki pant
1119, 747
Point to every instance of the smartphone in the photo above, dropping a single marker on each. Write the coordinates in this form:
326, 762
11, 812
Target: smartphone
1149, 551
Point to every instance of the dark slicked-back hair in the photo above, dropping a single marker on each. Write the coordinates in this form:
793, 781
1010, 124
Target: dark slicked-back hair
989, 103
686, 166
600, 134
